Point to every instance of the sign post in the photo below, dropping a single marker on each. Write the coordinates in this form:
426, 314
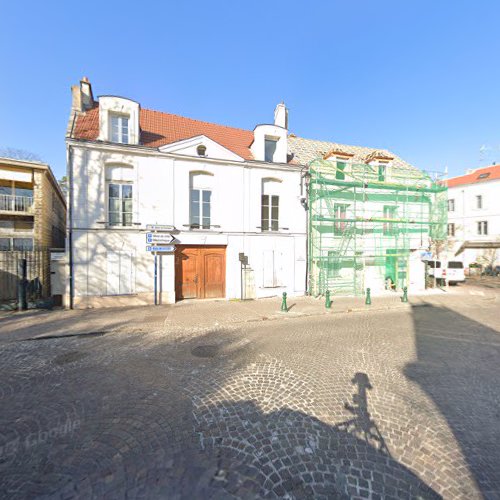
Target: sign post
158, 242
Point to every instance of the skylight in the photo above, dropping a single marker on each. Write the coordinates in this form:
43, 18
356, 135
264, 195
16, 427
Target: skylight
484, 176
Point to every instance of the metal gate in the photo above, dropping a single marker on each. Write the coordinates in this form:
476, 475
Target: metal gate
37, 277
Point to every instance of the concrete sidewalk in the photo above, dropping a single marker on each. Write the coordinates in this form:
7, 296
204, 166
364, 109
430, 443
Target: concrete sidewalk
187, 316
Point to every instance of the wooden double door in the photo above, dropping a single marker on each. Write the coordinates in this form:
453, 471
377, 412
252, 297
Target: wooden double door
200, 272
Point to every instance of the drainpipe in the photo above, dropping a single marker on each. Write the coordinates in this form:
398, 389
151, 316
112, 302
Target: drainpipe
70, 220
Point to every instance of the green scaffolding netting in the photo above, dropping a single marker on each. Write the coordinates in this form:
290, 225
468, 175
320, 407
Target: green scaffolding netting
364, 222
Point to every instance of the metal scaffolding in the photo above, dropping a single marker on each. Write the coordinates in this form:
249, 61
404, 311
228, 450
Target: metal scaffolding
365, 222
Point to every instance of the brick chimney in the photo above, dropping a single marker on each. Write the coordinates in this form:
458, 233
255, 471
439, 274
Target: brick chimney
82, 97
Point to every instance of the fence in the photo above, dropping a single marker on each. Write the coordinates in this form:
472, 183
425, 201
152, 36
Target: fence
38, 277
12, 203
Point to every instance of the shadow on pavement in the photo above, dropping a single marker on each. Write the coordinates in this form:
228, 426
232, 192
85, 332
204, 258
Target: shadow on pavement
458, 367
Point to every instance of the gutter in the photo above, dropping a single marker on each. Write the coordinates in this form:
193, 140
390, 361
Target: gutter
70, 229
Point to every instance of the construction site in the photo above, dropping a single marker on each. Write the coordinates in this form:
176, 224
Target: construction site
370, 224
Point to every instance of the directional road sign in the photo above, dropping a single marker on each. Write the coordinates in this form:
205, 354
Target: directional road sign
159, 238
160, 248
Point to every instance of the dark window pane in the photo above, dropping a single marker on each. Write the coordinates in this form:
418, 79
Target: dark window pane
127, 219
22, 243
206, 223
114, 218
206, 196
274, 213
4, 244
270, 149
340, 170
127, 205
195, 195
114, 205
265, 224
127, 191
274, 225
265, 212
114, 191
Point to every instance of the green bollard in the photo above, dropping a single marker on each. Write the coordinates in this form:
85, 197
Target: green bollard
284, 307
404, 298
368, 300
328, 302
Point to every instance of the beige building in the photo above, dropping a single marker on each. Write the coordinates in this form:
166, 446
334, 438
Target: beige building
32, 206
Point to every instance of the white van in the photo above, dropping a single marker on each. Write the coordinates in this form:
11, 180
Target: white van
455, 272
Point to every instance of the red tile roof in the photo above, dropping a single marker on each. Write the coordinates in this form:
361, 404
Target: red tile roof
480, 175
159, 129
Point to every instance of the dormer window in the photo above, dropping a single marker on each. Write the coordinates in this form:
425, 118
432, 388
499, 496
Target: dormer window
382, 171
270, 148
201, 150
119, 128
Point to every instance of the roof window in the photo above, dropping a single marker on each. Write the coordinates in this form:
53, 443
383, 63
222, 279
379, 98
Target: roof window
484, 176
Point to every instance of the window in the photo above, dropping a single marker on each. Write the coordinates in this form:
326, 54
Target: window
201, 150
270, 149
120, 204
200, 208
451, 205
119, 128
22, 244
200, 200
389, 213
482, 228
270, 212
483, 176
4, 244
479, 201
451, 229
18, 244
340, 214
339, 174
382, 171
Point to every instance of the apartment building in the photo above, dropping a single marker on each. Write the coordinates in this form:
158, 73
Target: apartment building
474, 216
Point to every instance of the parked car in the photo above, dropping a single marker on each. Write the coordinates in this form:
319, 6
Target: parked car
491, 271
434, 269
454, 272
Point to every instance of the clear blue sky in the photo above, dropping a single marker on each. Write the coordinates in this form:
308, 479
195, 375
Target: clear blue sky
421, 78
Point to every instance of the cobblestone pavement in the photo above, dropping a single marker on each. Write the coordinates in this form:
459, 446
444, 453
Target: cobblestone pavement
400, 403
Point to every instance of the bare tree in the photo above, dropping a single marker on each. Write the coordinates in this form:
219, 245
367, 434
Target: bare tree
19, 154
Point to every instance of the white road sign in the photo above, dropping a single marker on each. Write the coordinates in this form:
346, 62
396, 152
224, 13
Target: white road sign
159, 227
159, 238
160, 248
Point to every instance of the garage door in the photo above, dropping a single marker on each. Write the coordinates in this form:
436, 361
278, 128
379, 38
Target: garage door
200, 272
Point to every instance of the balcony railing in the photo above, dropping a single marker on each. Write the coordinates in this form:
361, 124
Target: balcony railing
12, 203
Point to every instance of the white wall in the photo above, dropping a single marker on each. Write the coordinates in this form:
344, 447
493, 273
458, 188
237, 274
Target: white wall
161, 196
466, 216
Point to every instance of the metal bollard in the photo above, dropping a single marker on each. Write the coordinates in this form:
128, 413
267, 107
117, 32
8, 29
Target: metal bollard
284, 307
22, 301
368, 300
404, 298
328, 302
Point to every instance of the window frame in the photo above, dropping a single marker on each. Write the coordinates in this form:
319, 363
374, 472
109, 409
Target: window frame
268, 140
389, 212
269, 223
201, 206
451, 229
451, 204
479, 201
120, 135
340, 212
482, 228
121, 199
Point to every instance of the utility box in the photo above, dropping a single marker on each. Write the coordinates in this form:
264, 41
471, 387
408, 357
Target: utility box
58, 276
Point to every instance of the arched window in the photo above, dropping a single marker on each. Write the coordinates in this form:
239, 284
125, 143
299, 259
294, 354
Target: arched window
270, 204
200, 200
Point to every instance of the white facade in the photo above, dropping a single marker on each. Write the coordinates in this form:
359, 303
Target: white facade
474, 216
110, 262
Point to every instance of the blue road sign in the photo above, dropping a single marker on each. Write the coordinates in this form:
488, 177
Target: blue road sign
160, 248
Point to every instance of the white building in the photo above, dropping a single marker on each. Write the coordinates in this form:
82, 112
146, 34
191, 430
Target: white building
223, 193
474, 216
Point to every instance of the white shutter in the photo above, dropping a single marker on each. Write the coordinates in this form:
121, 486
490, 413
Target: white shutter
113, 273
268, 269
120, 273
126, 282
